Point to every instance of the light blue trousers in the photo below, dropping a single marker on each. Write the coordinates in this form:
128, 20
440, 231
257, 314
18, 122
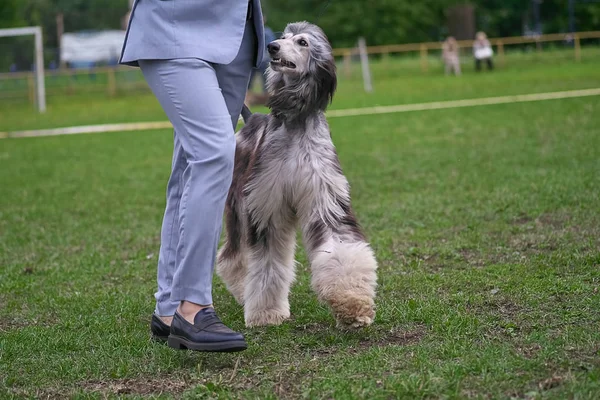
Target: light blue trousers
203, 101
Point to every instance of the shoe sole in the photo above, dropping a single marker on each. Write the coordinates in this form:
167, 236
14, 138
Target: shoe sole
229, 346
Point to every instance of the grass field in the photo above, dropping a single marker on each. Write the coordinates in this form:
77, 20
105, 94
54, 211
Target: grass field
397, 81
485, 222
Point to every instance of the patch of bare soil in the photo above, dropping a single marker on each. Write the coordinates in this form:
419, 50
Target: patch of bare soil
17, 318
396, 338
7, 323
540, 387
286, 383
503, 307
552, 382
392, 338
529, 351
111, 388
137, 386
313, 327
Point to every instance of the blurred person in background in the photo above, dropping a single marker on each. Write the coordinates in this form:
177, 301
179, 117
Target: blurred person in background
482, 51
450, 53
197, 57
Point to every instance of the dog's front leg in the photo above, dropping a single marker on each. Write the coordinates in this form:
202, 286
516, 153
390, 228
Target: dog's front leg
232, 257
270, 274
343, 269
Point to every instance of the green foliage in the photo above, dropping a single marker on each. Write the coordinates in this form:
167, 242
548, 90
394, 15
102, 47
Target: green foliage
555, 18
500, 18
379, 21
406, 21
9, 15
78, 15
507, 17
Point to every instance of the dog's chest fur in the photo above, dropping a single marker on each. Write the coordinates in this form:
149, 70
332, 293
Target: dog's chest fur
298, 168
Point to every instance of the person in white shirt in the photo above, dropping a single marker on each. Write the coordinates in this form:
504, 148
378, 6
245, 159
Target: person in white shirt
482, 51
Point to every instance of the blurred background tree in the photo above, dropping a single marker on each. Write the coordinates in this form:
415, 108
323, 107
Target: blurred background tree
409, 21
77, 15
379, 21
9, 13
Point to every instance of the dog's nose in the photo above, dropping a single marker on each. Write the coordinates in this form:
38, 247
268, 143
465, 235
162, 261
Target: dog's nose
273, 48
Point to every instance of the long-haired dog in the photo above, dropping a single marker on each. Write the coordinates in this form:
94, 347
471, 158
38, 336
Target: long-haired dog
287, 173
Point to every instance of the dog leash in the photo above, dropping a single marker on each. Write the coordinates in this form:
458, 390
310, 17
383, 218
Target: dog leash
246, 113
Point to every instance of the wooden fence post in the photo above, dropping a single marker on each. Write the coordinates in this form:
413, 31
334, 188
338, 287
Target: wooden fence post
577, 48
364, 64
31, 88
501, 53
424, 61
348, 64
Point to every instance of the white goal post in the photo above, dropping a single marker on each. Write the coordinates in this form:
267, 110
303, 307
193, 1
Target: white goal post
39, 60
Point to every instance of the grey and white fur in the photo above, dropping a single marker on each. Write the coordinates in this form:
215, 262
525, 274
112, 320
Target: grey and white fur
286, 174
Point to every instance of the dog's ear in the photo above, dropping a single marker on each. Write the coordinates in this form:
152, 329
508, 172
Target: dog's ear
326, 82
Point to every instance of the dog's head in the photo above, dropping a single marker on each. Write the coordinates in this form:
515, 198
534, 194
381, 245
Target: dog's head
302, 61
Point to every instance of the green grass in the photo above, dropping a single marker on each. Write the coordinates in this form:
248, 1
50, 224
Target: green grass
484, 221
396, 81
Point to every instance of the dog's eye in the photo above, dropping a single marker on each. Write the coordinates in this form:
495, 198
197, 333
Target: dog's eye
303, 43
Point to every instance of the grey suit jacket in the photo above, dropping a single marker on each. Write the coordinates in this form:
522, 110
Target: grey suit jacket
210, 30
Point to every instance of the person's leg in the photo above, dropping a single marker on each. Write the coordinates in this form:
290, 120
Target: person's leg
490, 64
189, 93
477, 64
169, 237
457, 71
234, 78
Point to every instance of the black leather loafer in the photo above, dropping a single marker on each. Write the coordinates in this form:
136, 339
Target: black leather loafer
159, 330
207, 333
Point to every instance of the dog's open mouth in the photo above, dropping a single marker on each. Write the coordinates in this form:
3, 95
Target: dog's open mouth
283, 63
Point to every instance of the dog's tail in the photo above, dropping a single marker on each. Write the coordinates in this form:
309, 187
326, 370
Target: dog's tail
246, 113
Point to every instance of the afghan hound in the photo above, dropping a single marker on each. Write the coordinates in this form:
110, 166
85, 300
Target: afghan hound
287, 173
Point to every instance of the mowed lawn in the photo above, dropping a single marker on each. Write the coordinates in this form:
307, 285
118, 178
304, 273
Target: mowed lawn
395, 81
485, 222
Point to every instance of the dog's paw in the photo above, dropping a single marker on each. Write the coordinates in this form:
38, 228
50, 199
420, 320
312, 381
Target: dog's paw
353, 312
266, 317
356, 323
